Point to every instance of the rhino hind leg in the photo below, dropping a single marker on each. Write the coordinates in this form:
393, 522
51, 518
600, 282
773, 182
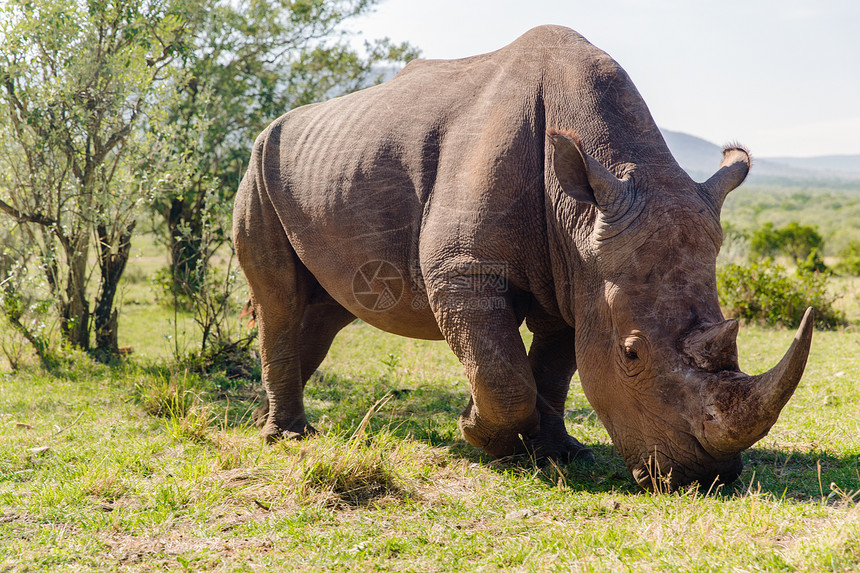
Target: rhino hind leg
323, 319
280, 299
280, 292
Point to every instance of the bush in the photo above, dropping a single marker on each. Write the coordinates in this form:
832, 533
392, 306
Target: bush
234, 360
167, 294
850, 259
813, 263
765, 292
794, 240
736, 243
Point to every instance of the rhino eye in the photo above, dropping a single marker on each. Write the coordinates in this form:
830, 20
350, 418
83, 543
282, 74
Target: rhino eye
634, 351
632, 346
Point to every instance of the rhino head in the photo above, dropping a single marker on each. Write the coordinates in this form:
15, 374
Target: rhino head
657, 360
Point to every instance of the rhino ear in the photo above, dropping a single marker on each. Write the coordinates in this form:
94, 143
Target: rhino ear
733, 170
580, 175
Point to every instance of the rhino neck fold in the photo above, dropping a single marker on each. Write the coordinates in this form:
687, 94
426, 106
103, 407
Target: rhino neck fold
566, 235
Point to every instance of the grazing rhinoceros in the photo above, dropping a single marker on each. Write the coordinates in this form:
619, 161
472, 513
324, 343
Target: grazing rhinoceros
463, 197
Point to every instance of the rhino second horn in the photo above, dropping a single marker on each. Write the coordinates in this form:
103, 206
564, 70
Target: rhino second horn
739, 409
714, 348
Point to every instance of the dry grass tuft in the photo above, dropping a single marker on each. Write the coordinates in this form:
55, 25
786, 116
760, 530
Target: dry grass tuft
355, 480
166, 396
356, 474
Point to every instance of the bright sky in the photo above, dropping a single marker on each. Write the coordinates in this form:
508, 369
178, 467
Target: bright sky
779, 76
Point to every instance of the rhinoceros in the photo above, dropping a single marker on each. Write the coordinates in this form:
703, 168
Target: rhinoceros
463, 197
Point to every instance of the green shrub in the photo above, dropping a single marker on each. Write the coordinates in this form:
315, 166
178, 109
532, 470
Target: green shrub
813, 263
736, 243
794, 240
765, 292
166, 293
850, 259
234, 361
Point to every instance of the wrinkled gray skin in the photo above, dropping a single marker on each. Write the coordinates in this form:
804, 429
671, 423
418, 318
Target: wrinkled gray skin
526, 184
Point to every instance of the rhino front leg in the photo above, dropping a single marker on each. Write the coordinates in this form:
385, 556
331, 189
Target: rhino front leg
553, 362
483, 332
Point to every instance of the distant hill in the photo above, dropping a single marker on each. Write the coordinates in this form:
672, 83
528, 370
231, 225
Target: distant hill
697, 156
828, 163
700, 158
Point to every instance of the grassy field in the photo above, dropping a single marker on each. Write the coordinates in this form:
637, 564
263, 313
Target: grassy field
832, 208
147, 467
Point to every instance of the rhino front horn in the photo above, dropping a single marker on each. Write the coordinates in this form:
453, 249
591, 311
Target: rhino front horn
739, 409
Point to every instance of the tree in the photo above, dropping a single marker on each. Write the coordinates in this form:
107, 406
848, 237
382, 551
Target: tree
765, 242
20, 306
800, 242
76, 80
251, 61
849, 263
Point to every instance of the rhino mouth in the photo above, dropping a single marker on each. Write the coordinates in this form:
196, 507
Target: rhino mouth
650, 475
660, 470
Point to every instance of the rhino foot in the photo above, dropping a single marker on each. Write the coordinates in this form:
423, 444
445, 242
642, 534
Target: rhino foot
272, 433
564, 448
553, 442
497, 441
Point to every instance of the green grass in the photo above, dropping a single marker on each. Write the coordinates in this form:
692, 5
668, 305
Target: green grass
391, 485
147, 466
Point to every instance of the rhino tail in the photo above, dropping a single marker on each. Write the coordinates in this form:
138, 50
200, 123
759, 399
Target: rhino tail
248, 310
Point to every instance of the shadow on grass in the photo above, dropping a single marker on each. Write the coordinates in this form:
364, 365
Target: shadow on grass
808, 477
429, 414
813, 476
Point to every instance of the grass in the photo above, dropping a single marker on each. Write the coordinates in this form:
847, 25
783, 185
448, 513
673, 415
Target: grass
100, 470
148, 466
